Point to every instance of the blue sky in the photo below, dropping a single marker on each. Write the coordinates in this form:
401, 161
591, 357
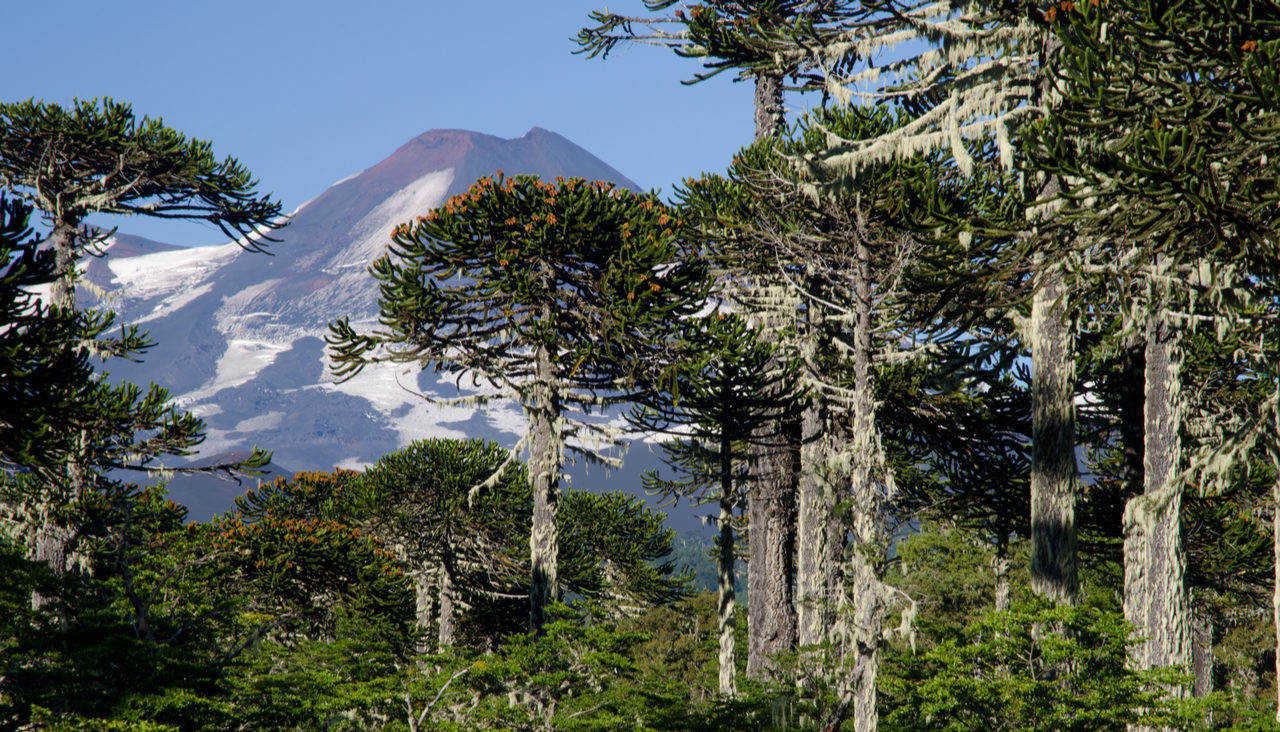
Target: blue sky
307, 93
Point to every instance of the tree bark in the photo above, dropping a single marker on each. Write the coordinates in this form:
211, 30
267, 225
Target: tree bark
770, 112
445, 638
1275, 530
770, 540
1201, 653
813, 556
869, 487
423, 604
1053, 459
1155, 591
545, 448
728, 658
51, 543
1000, 567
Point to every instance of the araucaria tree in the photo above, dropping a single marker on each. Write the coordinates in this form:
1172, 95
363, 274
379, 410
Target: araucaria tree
726, 383
97, 157
556, 293
1167, 139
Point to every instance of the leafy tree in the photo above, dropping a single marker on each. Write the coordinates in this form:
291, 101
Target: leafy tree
556, 293
45, 378
1168, 124
463, 538
1006, 674
838, 256
97, 157
723, 388
743, 37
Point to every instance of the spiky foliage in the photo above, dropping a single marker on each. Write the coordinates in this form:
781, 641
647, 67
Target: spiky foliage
44, 375
556, 293
1167, 135
725, 385
726, 36
98, 157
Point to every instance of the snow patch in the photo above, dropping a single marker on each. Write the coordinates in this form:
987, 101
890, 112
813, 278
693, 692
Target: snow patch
171, 274
241, 362
268, 421
391, 388
371, 233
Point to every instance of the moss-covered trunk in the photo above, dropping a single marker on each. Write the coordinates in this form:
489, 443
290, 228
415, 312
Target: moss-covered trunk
869, 486
545, 449
448, 609
1053, 460
812, 553
52, 535
1155, 591
728, 657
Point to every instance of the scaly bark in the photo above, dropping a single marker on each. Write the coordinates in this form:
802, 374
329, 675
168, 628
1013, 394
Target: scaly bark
1155, 591
771, 623
445, 637
1201, 653
728, 657
545, 452
770, 540
770, 112
1053, 460
812, 553
868, 486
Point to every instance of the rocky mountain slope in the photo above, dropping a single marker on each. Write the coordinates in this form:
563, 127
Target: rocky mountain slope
240, 335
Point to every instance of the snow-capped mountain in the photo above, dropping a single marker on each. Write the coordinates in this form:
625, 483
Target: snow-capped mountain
240, 335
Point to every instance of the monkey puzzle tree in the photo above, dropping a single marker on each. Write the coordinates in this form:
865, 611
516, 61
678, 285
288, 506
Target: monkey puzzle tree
97, 157
45, 376
1168, 135
724, 385
558, 294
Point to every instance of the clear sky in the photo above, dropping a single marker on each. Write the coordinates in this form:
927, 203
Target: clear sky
307, 93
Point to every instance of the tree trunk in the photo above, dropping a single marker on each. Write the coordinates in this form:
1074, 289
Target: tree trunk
1275, 530
770, 112
770, 540
1201, 653
1053, 459
1155, 592
812, 554
545, 448
445, 638
424, 603
63, 242
1000, 567
728, 658
52, 541
869, 485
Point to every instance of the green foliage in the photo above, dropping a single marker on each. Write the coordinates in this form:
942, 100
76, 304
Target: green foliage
587, 270
44, 380
1032, 667
722, 386
98, 157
